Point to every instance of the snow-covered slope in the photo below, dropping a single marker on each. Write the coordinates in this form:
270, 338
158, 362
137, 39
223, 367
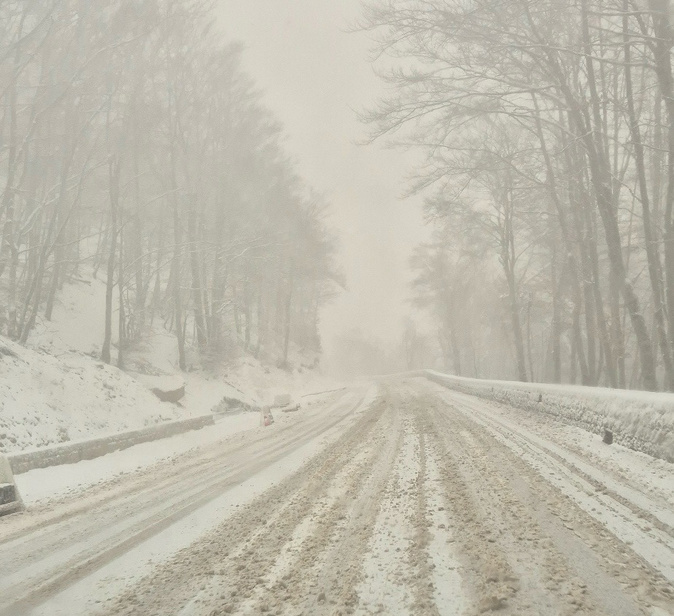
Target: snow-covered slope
56, 390
643, 421
47, 399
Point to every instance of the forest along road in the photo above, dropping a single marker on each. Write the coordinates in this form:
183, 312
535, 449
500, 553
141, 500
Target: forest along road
418, 500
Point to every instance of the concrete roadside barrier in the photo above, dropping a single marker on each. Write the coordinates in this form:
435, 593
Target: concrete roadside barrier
10, 499
640, 420
70, 453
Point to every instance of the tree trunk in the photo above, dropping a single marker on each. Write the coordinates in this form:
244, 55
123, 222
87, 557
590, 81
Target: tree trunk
177, 291
654, 266
288, 313
120, 288
556, 333
197, 293
601, 181
114, 169
663, 70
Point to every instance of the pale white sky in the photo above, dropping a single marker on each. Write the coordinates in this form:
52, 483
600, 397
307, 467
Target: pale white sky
315, 75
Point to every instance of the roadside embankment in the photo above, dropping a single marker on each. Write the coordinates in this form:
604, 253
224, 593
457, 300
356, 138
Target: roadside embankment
643, 421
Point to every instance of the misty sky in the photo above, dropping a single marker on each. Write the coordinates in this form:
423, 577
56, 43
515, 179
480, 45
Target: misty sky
315, 75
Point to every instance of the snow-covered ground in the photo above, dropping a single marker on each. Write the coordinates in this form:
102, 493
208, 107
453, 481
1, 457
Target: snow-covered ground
194, 481
38, 486
406, 498
56, 389
57, 482
413, 500
47, 399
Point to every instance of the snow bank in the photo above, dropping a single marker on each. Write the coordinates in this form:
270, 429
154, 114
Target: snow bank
642, 421
262, 383
47, 400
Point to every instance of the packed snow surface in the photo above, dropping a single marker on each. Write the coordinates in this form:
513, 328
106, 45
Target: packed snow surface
409, 498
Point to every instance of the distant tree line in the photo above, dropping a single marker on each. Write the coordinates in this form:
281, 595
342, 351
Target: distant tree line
134, 147
548, 129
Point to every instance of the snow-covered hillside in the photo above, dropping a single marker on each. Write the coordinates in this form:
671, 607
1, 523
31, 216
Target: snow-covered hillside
57, 390
47, 399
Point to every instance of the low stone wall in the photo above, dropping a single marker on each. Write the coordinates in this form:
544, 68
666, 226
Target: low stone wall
642, 421
69, 453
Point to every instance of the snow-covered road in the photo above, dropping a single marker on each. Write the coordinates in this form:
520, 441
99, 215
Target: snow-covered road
409, 499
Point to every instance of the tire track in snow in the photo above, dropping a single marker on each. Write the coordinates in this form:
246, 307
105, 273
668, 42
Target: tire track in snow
651, 508
610, 574
389, 568
78, 546
58, 516
232, 570
629, 524
335, 557
490, 580
410, 566
446, 571
420, 506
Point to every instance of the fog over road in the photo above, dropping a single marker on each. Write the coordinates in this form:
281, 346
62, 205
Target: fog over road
396, 498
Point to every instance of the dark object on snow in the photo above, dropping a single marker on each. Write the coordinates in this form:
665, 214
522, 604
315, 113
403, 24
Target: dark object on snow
540, 397
172, 395
4, 351
7, 493
608, 437
291, 408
